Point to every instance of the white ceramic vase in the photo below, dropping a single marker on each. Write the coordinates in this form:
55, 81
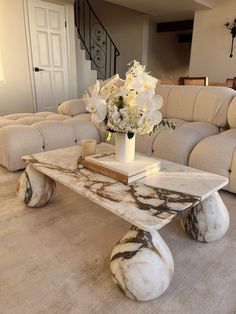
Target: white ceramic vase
125, 147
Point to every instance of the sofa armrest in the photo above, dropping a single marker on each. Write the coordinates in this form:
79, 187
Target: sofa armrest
72, 107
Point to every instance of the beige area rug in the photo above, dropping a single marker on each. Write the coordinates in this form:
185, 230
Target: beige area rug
56, 260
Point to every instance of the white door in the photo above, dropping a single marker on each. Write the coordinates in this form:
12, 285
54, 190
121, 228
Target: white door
49, 52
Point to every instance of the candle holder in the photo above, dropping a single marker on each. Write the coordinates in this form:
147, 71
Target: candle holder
88, 147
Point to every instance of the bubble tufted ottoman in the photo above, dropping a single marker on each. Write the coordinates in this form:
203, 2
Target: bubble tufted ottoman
17, 140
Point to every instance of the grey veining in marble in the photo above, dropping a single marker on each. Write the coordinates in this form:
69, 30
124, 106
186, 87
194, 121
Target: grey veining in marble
208, 221
142, 265
141, 262
149, 203
149, 208
34, 188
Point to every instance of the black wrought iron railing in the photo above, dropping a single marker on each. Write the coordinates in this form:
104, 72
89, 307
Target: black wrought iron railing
95, 40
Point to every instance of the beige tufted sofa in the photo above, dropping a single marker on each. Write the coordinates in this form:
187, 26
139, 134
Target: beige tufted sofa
198, 112
217, 153
205, 135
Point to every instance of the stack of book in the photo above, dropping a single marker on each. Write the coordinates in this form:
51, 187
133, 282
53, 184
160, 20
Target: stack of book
129, 172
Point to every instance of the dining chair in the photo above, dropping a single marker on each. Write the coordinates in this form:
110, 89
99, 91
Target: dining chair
199, 81
231, 82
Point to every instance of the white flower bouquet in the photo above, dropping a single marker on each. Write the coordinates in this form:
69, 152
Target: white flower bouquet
128, 106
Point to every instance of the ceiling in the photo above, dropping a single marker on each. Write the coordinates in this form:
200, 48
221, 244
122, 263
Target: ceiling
167, 10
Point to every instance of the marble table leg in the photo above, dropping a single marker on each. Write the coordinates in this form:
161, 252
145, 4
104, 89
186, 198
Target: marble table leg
142, 265
34, 188
208, 221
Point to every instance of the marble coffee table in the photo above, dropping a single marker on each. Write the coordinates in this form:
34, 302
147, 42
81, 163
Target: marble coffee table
141, 262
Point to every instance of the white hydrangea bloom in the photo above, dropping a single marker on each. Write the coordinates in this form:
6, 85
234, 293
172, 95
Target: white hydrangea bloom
129, 106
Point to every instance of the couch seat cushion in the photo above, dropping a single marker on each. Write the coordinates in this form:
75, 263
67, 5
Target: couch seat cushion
72, 107
15, 116
83, 116
4, 122
144, 143
55, 134
177, 145
197, 103
30, 120
57, 117
44, 113
216, 154
17, 141
83, 130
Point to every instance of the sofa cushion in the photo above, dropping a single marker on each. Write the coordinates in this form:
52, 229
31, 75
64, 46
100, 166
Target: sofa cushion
44, 113
57, 117
181, 102
83, 116
212, 105
178, 122
30, 120
15, 116
17, 141
144, 143
55, 134
216, 154
197, 103
164, 92
4, 122
177, 145
72, 107
232, 114
178, 101
83, 130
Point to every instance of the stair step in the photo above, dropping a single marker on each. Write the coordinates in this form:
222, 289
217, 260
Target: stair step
82, 45
87, 55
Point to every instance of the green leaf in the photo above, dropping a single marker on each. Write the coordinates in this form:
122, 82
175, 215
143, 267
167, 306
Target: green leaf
120, 104
130, 135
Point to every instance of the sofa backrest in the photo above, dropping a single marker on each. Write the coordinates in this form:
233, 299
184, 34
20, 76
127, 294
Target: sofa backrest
231, 114
196, 103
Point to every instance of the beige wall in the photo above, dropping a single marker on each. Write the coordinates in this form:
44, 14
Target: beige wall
16, 94
126, 28
136, 37
167, 59
85, 75
211, 43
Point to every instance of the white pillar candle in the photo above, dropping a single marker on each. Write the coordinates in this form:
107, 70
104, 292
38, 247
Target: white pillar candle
88, 147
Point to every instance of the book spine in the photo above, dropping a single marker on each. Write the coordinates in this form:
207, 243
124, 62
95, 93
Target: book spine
142, 175
105, 171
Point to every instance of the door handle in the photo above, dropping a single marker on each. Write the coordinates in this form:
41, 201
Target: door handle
38, 69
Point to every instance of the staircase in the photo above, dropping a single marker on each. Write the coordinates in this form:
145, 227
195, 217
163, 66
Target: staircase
95, 40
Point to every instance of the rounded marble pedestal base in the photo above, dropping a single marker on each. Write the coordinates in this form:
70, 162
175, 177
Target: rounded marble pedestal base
142, 265
34, 188
208, 221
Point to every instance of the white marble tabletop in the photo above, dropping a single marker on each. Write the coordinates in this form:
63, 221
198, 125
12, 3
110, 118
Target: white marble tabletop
149, 203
